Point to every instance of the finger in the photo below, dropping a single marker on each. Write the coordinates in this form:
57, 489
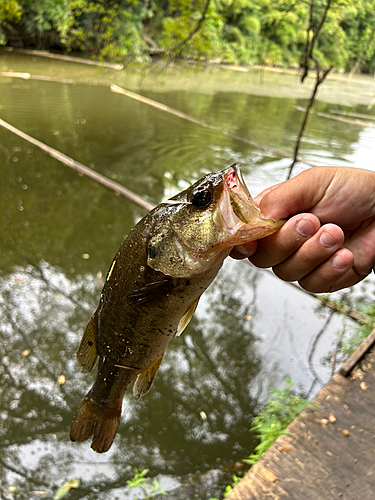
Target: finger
244, 251
335, 273
351, 278
258, 198
311, 254
299, 194
348, 265
281, 245
362, 245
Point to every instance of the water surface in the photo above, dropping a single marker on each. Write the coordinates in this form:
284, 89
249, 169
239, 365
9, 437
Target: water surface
59, 232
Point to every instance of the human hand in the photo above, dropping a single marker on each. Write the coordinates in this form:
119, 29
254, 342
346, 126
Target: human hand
326, 258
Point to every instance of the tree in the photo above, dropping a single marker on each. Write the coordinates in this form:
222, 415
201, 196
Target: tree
233, 31
10, 10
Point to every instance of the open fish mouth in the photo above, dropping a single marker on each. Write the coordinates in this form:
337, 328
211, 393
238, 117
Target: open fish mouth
242, 218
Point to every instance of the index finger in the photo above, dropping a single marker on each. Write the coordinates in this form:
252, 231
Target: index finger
281, 245
258, 198
296, 195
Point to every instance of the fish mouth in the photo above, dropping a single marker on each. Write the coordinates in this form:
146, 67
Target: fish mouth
242, 218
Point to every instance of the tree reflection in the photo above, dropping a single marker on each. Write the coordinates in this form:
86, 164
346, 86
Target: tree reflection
193, 420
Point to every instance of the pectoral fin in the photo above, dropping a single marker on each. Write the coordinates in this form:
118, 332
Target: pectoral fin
150, 293
87, 354
145, 379
186, 318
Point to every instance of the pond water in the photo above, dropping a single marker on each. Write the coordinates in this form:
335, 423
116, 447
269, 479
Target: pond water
59, 232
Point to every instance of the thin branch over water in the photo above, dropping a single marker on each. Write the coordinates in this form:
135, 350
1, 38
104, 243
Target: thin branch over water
321, 74
320, 77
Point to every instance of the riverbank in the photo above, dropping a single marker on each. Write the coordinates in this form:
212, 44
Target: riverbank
88, 59
196, 77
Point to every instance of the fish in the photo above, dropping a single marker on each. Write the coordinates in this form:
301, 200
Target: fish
152, 289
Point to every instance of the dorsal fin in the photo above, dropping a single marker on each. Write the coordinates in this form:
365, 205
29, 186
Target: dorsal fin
145, 379
87, 354
185, 320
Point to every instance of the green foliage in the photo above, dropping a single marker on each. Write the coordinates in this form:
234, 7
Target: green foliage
112, 30
280, 411
45, 16
10, 10
234, 31
178, 27
147, 487
230, 487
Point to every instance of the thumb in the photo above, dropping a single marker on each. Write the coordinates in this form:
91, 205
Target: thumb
299, 194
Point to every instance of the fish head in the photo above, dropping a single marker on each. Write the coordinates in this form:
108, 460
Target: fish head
202, 224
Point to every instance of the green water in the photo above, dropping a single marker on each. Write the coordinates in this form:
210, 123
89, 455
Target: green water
59, 232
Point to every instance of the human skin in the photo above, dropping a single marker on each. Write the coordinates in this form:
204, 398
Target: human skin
328, 241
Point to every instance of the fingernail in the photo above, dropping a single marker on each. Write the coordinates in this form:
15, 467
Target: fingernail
243, 251
305, 227
327, 240
338, 263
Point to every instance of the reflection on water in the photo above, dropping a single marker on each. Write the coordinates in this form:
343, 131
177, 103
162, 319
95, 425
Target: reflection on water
198, 413
60, 231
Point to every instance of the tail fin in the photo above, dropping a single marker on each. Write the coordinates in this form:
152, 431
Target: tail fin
101, 423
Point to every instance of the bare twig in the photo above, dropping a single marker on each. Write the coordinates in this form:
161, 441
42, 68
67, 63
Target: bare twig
80, 60
320, 77
308, 46
184, 116
79, 167
354, 115
358, 123
320, 74
310, 43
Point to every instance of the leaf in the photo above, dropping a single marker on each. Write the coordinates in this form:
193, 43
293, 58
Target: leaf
138, 478
269, 475
65, 488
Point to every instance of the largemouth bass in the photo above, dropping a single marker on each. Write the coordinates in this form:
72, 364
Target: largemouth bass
152, 289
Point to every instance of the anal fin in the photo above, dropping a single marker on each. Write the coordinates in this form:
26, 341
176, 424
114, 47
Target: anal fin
87, 354
145, 379
186, 318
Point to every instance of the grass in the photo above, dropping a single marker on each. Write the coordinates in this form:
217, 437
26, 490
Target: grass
147, 487
271, 423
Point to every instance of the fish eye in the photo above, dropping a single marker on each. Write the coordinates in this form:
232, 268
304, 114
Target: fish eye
201, 197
